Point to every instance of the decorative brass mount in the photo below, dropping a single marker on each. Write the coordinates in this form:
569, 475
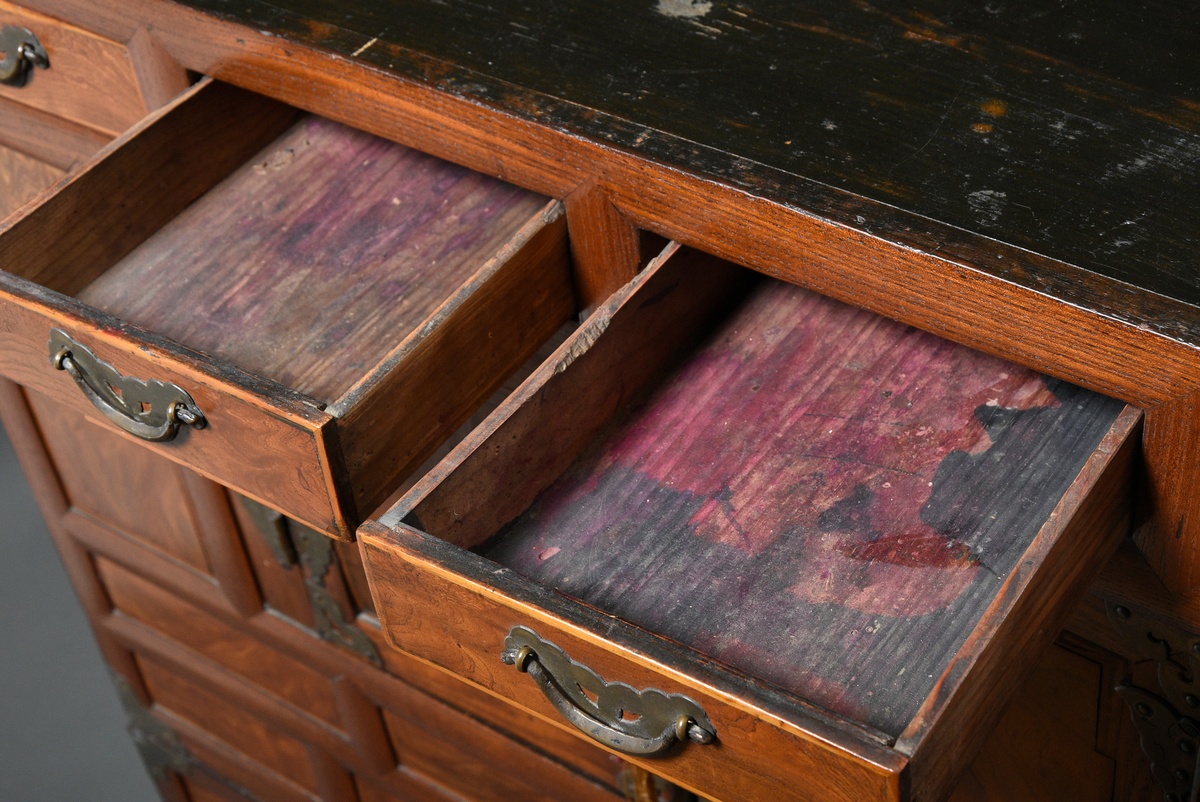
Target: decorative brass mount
296, 545
22, 52
646, 722
1168, 720
147, 408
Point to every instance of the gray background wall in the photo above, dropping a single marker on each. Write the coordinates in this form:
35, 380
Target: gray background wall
62, 731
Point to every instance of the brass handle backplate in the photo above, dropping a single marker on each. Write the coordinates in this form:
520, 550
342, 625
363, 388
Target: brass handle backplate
146, 408
22, 52
635, 722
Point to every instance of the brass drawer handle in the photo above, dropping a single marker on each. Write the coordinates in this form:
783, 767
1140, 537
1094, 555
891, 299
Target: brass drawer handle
22, 52
149, 409
635, 722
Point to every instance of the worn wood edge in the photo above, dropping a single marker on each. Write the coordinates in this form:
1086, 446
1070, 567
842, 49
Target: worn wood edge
534, 604
45, 137
605, 247
60, 311
98, 213
1030, 608
629, 344
469, 346
1171, 489
596, 324
160, 77
344, 509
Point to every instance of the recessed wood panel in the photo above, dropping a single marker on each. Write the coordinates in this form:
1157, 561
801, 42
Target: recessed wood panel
121, 483
481, 763
271, 670
91, 80
21, 177
1048, 747
208, 711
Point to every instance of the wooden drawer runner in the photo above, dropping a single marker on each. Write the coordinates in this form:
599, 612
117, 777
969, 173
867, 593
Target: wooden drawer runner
844, 541
334, 305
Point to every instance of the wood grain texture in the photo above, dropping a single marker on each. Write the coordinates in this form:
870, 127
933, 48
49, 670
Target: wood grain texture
119, 198
454, 609
22, 177
146, 499
332, 246
817, 498
91, 80
433, 381
479, 763
926, 106
605, 248
261, 665
222, 544
248, 428
1045, 748
1129, 340
229, 722
973, 284
218, 765
160, 77
477, 489
276, 673
47, 138
1171, 489
871, 461
1029, 607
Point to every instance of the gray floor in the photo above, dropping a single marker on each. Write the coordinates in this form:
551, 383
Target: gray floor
62, 731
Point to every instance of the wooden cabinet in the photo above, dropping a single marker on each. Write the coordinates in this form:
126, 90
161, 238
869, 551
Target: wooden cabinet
803, 404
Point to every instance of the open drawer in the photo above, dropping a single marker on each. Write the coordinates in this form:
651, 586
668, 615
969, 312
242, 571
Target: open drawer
818, 547
298, 310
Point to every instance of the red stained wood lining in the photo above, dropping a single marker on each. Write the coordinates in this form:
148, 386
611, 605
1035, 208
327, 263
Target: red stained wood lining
818, 497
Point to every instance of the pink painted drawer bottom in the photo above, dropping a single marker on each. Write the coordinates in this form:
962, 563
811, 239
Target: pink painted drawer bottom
772, 546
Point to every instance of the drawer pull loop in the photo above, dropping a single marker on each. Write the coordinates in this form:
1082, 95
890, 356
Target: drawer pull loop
22, 52
635, 722
150, 409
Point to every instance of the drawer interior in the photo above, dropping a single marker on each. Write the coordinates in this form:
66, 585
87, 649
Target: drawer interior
311, 260
301, 280
806, 493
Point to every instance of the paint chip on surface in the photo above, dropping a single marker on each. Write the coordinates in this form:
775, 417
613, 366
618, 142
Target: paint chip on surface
684, 8
988, 204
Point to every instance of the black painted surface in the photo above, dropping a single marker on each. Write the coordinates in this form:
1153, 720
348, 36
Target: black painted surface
1068, 129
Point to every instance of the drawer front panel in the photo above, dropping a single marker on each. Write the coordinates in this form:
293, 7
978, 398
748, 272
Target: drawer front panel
432, 611
268, 448
90, 80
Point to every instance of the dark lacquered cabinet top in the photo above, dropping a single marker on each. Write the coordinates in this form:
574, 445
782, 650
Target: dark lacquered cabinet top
1072, 132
